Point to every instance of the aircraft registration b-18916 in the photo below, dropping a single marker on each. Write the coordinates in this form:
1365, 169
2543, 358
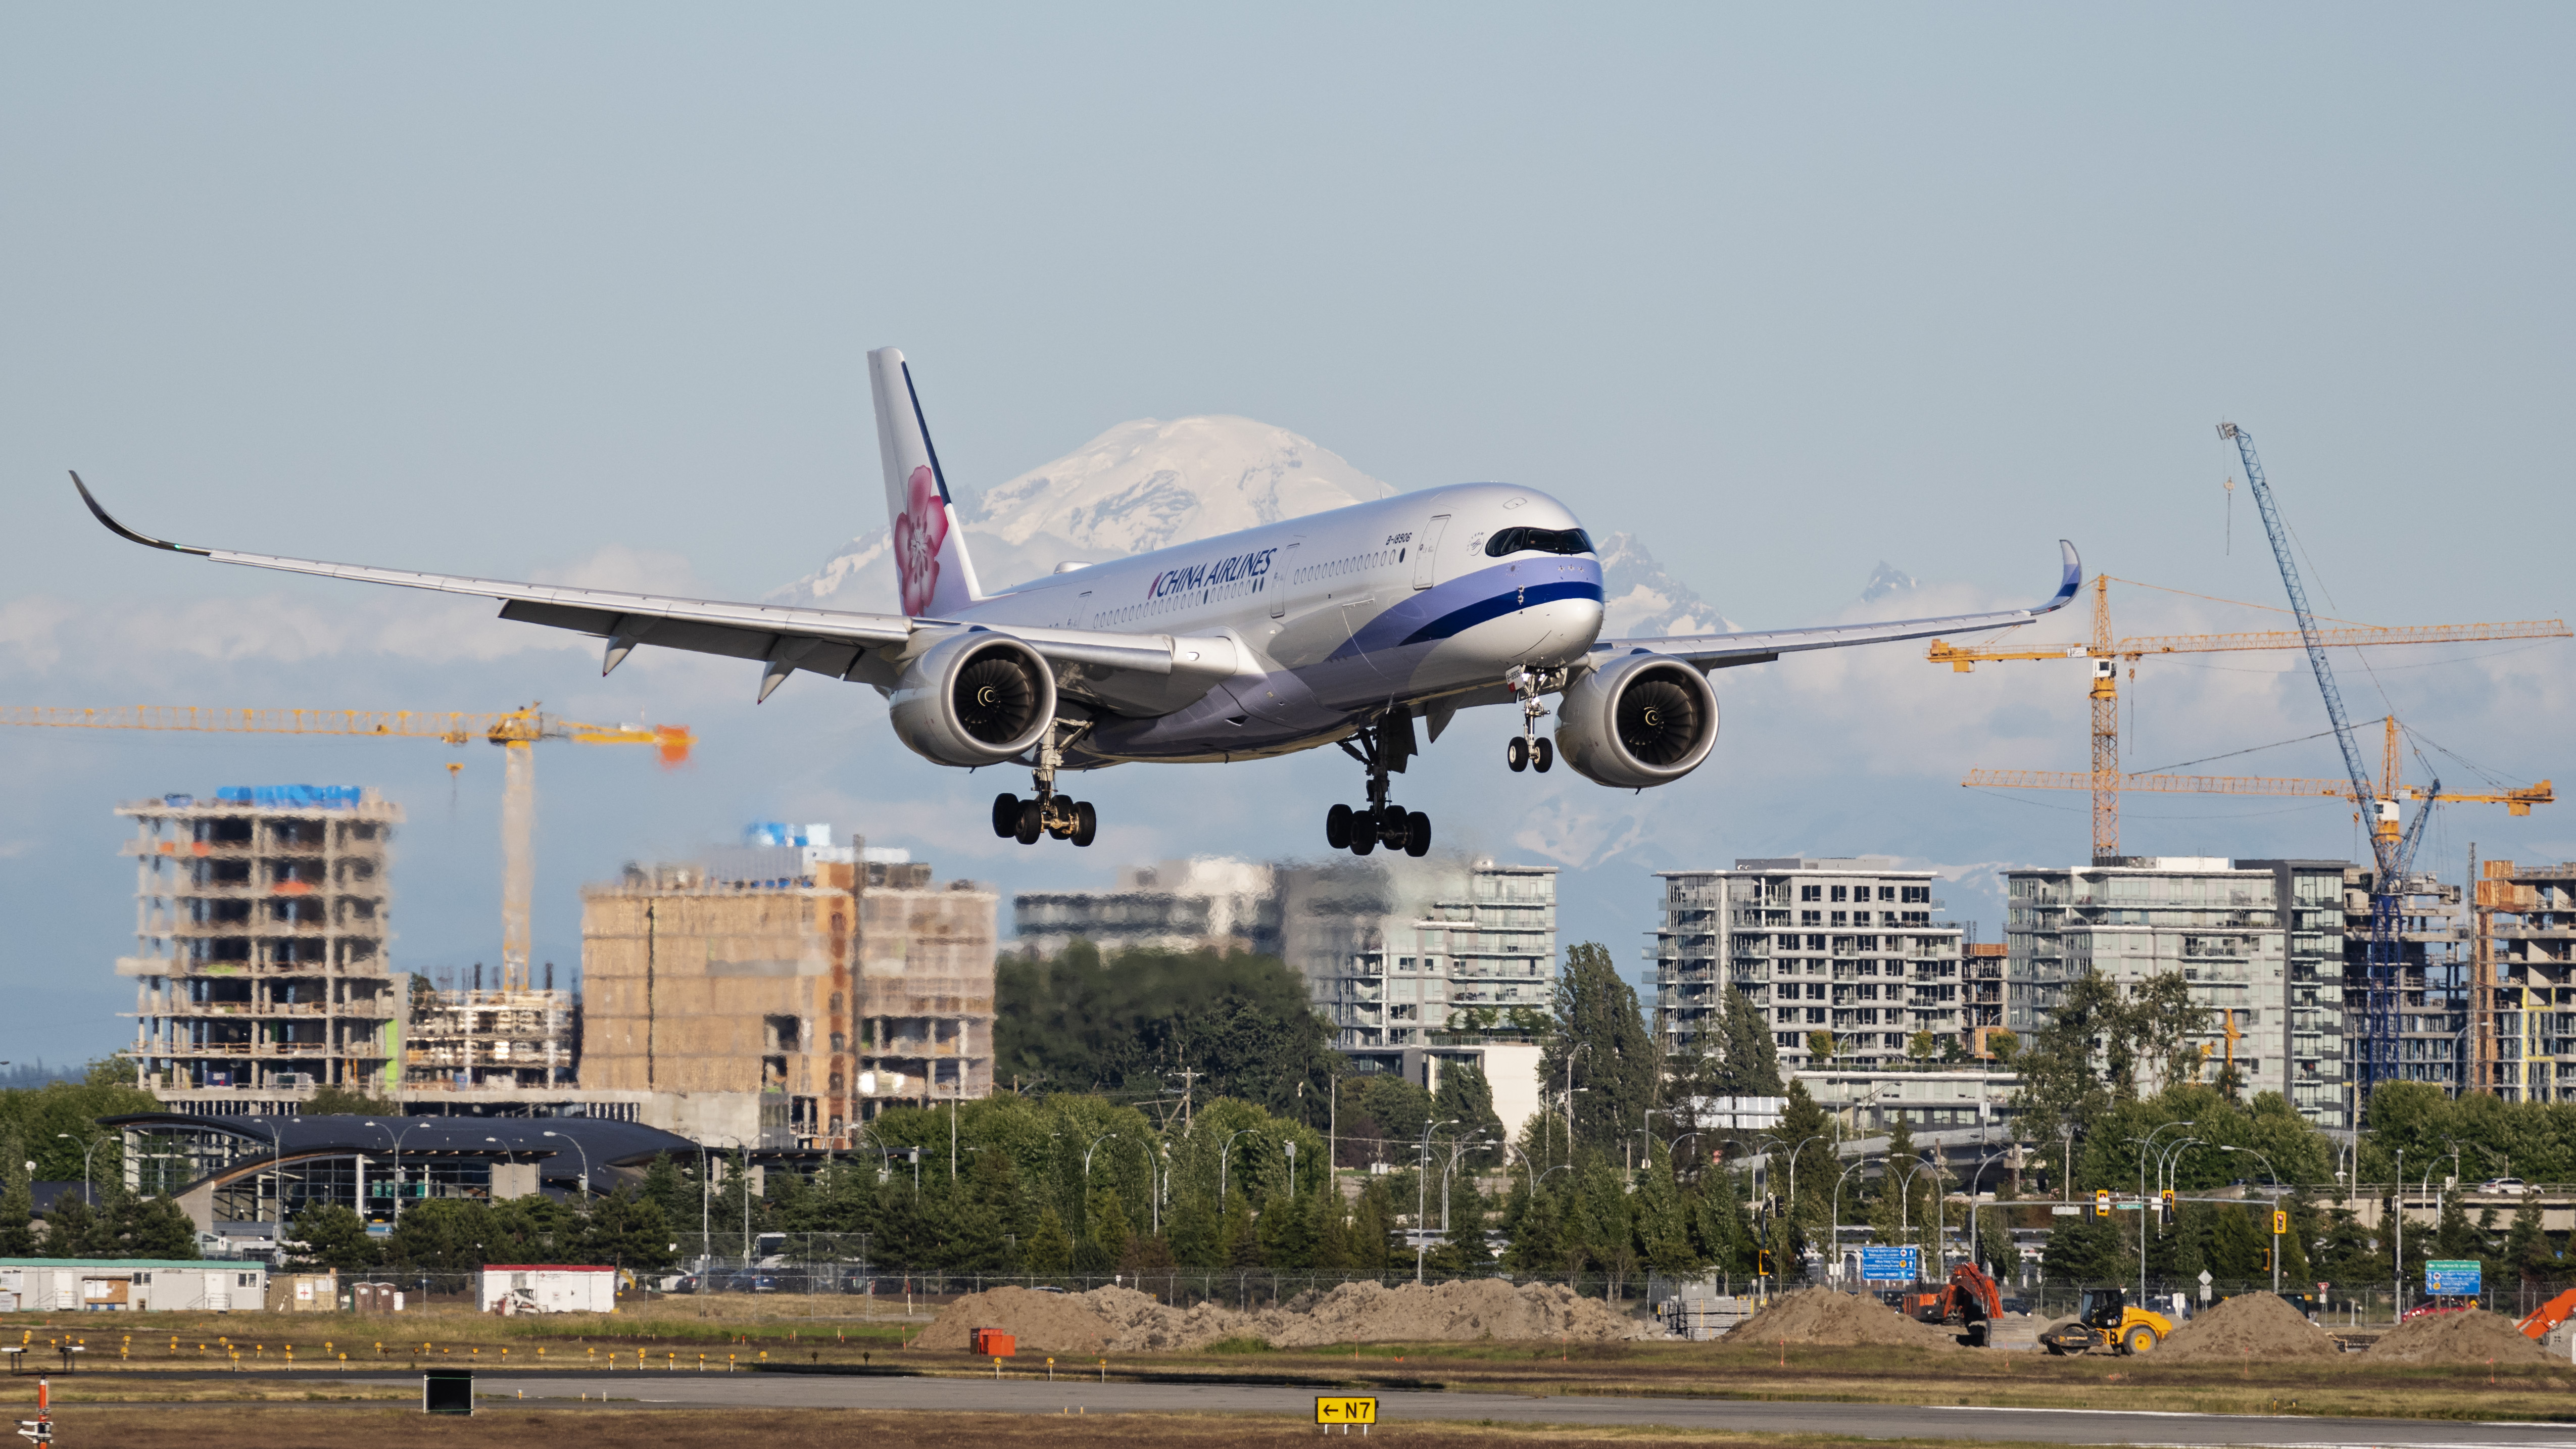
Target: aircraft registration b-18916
1343, 627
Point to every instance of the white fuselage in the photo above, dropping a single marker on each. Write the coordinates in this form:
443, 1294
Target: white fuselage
1336, 618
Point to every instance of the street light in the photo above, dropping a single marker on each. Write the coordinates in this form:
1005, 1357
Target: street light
2276, 1206
1224, 1154
89, 1195
585, 1161
1422, 1194
1836, 1242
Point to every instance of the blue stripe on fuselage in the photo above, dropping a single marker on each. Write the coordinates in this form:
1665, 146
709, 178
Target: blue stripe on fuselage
1462, 603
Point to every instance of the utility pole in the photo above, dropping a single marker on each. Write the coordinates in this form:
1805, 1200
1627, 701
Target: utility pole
1189, 1079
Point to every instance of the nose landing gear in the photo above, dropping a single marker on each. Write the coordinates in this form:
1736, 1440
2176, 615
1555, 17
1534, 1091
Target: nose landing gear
1363, 829
1048, 813
1530, 749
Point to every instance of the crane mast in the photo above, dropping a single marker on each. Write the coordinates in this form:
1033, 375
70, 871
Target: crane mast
2391, 852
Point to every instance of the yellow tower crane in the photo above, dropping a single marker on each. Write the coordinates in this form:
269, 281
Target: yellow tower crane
516, 731
2105, 780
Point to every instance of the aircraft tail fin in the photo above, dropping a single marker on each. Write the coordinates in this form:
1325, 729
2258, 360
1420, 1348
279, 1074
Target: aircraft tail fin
931, 567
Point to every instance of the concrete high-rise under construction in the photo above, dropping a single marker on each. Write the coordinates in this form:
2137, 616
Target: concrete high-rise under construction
261, 935
819, 991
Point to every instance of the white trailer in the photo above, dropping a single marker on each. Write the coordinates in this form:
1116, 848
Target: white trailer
515, 1288
134, 1285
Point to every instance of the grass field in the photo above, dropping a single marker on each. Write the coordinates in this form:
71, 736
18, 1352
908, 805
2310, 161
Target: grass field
337, 1428
298, 1356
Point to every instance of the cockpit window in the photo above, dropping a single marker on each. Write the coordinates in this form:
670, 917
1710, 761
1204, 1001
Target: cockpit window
1538, 540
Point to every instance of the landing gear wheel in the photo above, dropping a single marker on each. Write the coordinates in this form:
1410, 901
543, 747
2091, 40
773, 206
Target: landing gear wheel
1392, 825
1032, 822
1517, 754
1337, 827
1363, 831
1006, 814
1086, 823
1417, 834
1542, 754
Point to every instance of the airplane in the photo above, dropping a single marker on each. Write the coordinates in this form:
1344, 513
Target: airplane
1339, 628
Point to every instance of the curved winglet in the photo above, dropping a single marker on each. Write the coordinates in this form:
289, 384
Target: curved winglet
123, 532
2066, 585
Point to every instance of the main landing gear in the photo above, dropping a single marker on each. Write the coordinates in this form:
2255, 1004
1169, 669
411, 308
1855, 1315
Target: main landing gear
1048, 813
1360, 831
1529, 749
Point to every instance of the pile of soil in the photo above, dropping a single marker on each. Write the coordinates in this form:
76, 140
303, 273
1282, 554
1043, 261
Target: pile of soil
1122, 1320
2250, 1323
1823, 1316
1043, 1322
2474, 1336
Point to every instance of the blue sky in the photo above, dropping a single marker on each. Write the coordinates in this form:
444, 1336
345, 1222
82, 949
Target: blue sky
584, 292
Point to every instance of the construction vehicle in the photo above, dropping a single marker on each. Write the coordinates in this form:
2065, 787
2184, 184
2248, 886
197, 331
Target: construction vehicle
1969, 1302
2549, 1315
2107, 1324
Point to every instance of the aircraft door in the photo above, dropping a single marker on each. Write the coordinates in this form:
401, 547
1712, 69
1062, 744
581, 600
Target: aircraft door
1427, 551
1277, 582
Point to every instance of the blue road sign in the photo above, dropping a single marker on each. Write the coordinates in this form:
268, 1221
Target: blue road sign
2448, 1278
1899, 1264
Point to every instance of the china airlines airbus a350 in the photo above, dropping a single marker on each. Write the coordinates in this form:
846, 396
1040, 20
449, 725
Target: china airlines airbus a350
1341, 628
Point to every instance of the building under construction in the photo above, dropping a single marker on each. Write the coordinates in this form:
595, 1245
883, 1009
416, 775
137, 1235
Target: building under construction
818, 983
512, 1038
261, 928
2522, 1030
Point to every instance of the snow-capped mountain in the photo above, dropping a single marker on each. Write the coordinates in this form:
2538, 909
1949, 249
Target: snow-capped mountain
1151, 484
1887, 579
1142, 485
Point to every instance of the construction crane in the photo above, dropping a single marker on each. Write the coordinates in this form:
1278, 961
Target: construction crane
2393, 852
2517, 799
517, 732
2105, 780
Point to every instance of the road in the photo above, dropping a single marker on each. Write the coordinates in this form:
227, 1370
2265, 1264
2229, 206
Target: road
1869, 1421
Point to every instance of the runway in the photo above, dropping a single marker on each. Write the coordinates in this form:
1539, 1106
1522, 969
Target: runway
1869, 1421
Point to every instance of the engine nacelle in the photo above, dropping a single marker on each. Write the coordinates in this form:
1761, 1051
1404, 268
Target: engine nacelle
1638, 720
974, 699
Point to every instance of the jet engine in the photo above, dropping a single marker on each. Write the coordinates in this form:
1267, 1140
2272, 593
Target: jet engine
1637, 720
974, 699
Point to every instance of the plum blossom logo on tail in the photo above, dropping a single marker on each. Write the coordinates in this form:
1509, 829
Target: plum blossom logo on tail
918, 533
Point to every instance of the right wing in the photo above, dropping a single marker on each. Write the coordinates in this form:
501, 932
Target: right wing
1760, 646
845, 645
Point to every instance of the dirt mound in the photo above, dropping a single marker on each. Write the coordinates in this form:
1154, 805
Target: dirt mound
1123, 1320
1044, 1322
2475, 1336
2250, 1323
1823, 1316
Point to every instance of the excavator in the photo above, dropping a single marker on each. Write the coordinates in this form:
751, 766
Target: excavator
2549, 1315
2107, 1322
1969, 1301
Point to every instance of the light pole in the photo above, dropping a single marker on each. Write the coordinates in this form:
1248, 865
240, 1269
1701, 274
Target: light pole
1290, 1147
2145, 1144
2276, 1208
2397, 1283
89, 1195
1837, 1239
585, 1161
1422, 1193
1224, 1154
1973, 1179
1152, 1185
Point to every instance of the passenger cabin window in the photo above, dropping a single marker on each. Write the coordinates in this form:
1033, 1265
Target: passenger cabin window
1537, 540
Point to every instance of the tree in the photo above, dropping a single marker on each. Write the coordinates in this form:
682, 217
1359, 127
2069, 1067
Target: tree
1821, 1046
1601, 1035
332, 1237
1465, 1097
1048, 1251
2101, 1045
2083, 1250
70, 1227
1243, 1023
17, 1200
626, 1229
2003, 1045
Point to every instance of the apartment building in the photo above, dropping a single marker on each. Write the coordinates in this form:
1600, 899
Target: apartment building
1843, 945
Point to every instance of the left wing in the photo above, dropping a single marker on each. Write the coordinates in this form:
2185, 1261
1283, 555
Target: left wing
1760, 646
1142, 673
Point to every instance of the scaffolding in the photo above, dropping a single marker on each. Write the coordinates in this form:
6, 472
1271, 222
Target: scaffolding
506, 1038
